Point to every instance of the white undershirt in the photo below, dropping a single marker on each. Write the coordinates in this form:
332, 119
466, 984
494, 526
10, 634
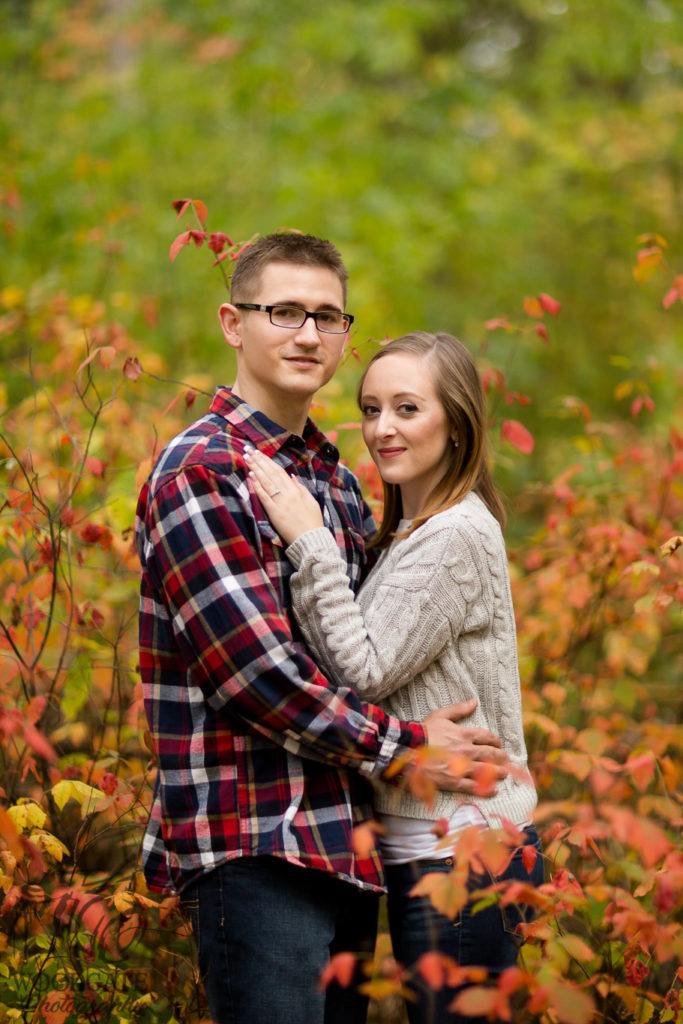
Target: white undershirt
407, 839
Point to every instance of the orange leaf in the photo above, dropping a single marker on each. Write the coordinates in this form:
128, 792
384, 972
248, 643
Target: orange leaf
649, 261
571, 1004
340, 968
8, 831
485, 776
642, 769
482, 1002
201, 210
363, 840
129, 931
532, 307
518, 435
107, 355
492, 853
438, 970
56, 1006
446, 892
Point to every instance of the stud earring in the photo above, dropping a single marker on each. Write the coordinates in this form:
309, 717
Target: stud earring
455, 442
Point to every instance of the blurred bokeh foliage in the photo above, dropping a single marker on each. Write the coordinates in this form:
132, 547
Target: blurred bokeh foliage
461, 154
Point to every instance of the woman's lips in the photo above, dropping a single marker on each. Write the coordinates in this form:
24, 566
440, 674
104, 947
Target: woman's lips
389, 453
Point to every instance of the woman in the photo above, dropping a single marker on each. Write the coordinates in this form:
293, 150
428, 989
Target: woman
432, 624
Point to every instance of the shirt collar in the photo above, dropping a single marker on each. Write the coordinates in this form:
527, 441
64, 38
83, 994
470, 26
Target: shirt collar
267, 436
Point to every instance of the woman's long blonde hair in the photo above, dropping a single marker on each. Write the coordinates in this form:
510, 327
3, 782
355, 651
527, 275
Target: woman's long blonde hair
461, 393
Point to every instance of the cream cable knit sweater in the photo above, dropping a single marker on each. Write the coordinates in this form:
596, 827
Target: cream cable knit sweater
432, 624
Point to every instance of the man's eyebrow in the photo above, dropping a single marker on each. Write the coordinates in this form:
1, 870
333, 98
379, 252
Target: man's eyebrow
331, 306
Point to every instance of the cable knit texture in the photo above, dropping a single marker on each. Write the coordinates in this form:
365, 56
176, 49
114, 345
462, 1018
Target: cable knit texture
433, 624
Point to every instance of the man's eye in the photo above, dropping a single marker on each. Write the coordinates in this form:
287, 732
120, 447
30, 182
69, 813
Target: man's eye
286, 312
328, 317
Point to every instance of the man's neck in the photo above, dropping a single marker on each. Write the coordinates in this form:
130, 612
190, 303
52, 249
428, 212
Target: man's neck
286, 410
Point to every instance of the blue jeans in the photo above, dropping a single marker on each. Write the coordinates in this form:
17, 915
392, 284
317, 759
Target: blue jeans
264, 930
487, 938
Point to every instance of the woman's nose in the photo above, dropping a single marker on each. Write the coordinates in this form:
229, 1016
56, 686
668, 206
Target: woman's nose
385, 424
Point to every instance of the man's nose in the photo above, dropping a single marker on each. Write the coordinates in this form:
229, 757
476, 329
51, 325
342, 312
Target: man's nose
308, 334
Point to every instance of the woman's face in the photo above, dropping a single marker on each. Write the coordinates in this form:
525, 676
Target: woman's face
405, 426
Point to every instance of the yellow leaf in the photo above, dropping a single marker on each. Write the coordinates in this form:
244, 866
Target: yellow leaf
446, 892
50, 844
623, 390
73, 789
670, 546
27, 815
576, 947
124, 901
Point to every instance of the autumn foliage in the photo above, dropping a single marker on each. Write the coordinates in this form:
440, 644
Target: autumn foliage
598, 587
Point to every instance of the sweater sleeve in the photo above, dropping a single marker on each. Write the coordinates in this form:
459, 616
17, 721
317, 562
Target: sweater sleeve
420, 593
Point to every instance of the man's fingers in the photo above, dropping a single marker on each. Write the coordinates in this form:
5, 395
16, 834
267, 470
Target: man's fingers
485, 752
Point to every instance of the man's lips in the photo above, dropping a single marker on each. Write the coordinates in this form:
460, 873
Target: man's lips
302, 360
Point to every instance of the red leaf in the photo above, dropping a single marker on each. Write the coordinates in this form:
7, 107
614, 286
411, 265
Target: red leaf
178, 243
529, 855
217, 241
180, 205
38, 744
190, 396
496, 322
676, 292
198, 237
549, 304
96, 466
517, 435
542, 332
132, 368
68, 903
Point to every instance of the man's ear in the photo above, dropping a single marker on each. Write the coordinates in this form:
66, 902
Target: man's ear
230, 321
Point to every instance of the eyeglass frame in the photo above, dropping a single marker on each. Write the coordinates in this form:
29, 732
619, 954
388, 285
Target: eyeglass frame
286, 305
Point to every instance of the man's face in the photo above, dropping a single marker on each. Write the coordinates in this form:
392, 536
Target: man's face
279, 369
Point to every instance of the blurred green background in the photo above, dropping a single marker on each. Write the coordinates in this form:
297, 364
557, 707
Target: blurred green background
461, 153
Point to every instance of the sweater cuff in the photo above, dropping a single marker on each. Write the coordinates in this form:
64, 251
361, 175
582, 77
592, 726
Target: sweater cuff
312, 542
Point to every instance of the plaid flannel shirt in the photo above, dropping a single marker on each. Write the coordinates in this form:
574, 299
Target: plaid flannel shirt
257, 753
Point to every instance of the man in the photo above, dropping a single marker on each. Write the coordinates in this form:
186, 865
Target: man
263, 764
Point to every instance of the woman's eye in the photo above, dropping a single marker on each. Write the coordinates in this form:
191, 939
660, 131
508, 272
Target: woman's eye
369, 410
408, 408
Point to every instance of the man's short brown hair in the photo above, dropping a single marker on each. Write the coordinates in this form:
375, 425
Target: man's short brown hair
283, 247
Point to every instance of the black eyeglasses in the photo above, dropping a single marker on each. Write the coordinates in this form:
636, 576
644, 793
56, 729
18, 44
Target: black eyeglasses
330, 321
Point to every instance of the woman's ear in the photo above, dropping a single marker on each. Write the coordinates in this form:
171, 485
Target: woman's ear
231, 322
